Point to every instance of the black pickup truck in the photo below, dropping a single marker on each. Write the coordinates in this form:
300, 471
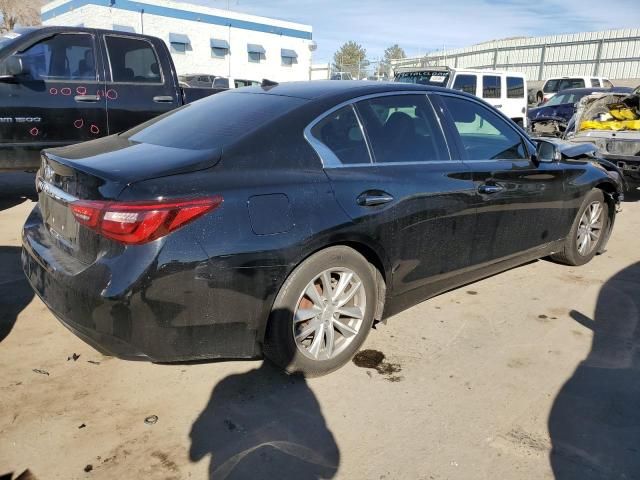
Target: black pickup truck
64, 85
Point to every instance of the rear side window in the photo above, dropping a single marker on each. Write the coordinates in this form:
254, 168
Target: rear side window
484, 135
466, 83
132, 60
556, 84
515, 87
403, 128
491, 86
595, 82
340, 132
68, 56
214, 121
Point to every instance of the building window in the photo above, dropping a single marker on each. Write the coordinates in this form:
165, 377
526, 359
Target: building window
289, 57
219, 48
256, 53
179, 42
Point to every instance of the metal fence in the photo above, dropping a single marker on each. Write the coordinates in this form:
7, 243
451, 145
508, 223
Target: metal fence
614, 54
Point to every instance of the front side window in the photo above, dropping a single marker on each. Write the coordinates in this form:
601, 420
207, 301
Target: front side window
483, 134
403, 128
490, 86
515, 87
595, 82
340, 132
466, 83
132, 60
62, 57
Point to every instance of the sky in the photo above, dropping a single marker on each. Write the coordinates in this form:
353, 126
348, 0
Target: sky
428, 25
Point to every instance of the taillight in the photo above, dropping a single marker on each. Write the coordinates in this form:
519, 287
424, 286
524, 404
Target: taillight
134, 223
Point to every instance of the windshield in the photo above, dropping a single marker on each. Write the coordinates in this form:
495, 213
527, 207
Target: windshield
437, 78
563, 98
557, 84
214, 121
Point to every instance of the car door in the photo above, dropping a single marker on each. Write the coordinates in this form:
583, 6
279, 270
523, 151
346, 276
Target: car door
55, 102
520, 203
391, 171
139, 81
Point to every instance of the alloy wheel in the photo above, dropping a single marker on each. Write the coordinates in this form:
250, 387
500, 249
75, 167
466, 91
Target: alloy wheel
329, 313
590, 228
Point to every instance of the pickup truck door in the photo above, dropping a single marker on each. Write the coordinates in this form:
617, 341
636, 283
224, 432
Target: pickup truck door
55, 102
140, 81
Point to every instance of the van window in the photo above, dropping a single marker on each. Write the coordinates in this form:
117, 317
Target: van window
340, 132
466, 83
515, 87
68, 56
483, 133
491, 86
554, 85
132, 60
595, 82
402, 128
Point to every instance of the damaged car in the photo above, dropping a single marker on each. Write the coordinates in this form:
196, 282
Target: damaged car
551, 119
611, 122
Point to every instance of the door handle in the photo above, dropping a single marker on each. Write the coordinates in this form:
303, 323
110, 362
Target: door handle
373, 198
86, 98
484, 188
163, 99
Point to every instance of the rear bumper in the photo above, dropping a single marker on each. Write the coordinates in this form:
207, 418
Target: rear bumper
133, 305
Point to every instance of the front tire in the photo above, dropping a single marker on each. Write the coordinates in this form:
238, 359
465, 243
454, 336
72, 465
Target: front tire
323, 312
588, 232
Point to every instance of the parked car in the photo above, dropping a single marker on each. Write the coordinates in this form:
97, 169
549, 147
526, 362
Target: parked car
199, 80
611, 122
551, 118
505, 91
341, 76
64, 85
284, 220
554, 85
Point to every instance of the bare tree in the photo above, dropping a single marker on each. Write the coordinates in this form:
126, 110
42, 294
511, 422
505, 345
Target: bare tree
19, 12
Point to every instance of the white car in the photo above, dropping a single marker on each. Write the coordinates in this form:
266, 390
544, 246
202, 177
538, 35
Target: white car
506, 91
555, 84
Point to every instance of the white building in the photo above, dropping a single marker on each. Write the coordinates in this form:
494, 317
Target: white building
200, 39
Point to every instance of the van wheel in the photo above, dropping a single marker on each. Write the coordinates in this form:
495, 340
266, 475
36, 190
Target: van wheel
323, 312
588, 231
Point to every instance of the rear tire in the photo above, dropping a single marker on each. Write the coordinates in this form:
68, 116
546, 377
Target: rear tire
588, 232
311, 330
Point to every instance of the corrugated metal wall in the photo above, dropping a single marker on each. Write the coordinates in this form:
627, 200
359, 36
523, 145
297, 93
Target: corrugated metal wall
614, 54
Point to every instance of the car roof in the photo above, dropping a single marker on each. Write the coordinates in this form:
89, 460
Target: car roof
316, 89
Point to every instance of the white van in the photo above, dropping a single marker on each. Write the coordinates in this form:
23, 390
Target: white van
506, 91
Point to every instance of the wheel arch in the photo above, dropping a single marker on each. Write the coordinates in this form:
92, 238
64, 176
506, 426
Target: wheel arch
610, 196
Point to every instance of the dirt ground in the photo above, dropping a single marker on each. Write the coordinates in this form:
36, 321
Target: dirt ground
530, 374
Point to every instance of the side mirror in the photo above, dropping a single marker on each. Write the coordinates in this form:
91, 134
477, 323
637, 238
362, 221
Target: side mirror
547, 152
13, 66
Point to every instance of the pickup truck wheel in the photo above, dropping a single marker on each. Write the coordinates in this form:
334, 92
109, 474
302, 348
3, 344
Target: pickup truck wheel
323, 312
588, 231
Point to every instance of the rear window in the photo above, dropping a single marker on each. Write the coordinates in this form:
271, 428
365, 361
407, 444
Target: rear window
214, 121
556, 84
515, 87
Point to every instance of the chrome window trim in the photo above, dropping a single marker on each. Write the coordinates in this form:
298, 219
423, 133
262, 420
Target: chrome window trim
330, 160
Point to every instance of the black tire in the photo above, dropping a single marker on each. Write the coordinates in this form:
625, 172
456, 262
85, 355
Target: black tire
570, 255
280, 345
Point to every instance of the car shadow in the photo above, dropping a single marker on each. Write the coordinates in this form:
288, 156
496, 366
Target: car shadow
594, 423
264, 424
15, 188
632, 195
15, 291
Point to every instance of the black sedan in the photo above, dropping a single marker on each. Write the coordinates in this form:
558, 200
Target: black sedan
286, 219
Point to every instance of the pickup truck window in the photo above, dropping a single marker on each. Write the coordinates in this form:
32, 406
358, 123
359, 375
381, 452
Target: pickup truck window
132, 60
68, 56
